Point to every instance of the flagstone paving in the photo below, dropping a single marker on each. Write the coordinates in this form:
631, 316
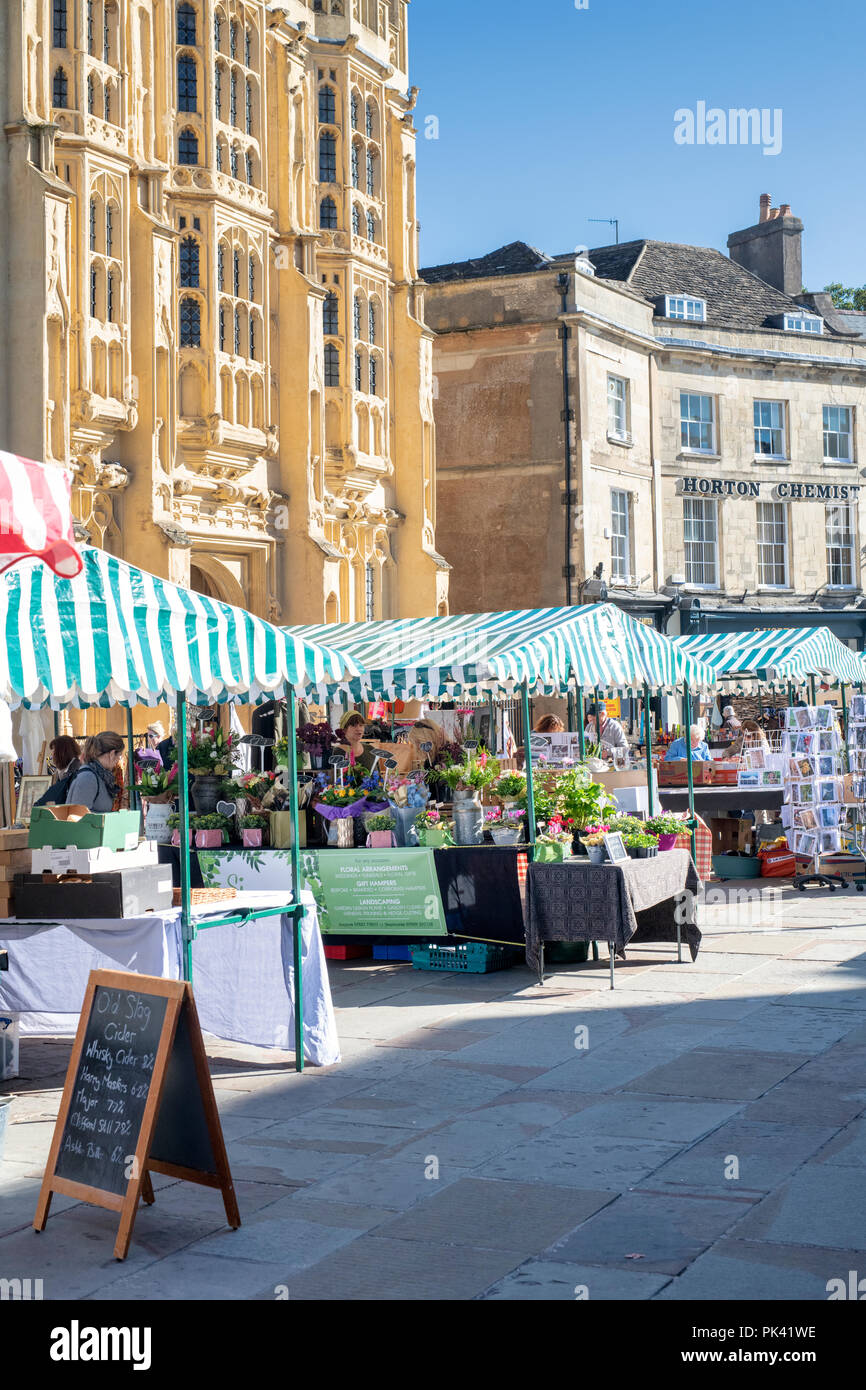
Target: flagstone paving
698, 1133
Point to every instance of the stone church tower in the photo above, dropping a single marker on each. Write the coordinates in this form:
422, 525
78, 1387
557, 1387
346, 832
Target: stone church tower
210, 296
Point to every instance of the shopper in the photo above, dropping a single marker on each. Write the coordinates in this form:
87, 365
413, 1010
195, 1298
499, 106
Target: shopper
66, 757
94, 785
700, 750
730, 720
549, 724
599, 729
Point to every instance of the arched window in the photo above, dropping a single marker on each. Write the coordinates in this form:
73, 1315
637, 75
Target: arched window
328, 214
355, 110
249, 107
58, 37
248, 47
327, 159
220, 158
186, 20
248, 162
94, 291
106, 103
187, 147
331, 313
190, 322
359, 372
372, 114
233, 161
253, 337
371, 226
109, 229
91, 95
221, 267
187, 84
60, 89
356, 219
327, 106
189, 263
371, 314
93, 224
356, 165
252, 279
222, 327
371, 174
374, 376
218, 91
233, 40
236, 274
217, 31
237, 332
332, 365
233, 98
357, 308
110, 298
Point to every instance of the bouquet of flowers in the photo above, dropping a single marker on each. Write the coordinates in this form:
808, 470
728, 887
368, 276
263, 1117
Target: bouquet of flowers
154, 783
511, 786
432, 827
496, 815
408, 791
213, 751
253, 785
340, 796
594, 834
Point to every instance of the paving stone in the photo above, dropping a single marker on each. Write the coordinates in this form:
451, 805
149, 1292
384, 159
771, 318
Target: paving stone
745, 1271
585, 1160
719, 1073
766, 1153
820, 1205
848, 1148
329, 1132
189, 1277
647, 1117
280, 1162
607, 1067
543, 1042
548, 1281
783, 1028
468, 1142
669, 1232
394, 1183
796, 1100
288, 1240
373, 1269
301, 1203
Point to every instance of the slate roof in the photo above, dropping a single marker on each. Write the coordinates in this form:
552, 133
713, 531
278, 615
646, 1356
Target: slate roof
735, 298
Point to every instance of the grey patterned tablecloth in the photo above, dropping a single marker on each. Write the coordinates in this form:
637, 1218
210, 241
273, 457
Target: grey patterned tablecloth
635, 901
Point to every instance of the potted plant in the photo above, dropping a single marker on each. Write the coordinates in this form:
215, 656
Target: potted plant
339, 805
667, 827
511, 790
627, 825
641, 846
208, 832
154, 784
253, 828
581, 801
380, 830
433, 829
506, 827
316, 739
253, 786
466, 780
407, 797
210, 756
593, 840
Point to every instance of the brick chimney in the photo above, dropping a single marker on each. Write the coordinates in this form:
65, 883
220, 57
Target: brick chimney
771, 249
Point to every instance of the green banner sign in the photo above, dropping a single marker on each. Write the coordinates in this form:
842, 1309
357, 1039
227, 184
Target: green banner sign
375, 892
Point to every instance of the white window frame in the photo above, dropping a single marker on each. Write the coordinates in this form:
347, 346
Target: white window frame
622, 511
843, 539
839, 432
779, 514
686, 421
779, 429
702, 510
618, 407
686, 307
803, 323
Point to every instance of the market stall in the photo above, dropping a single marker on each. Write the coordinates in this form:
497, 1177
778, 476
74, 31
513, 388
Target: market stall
115, 635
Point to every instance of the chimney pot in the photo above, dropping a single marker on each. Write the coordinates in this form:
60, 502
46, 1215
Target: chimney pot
765, 207
785, 210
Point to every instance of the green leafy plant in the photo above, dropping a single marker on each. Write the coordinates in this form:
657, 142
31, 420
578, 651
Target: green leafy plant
254, 822
667, 824
511, 786
639, 841
581, 800
379, 820
628, 825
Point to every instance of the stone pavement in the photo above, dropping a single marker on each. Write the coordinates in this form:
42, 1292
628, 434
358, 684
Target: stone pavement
699, 1133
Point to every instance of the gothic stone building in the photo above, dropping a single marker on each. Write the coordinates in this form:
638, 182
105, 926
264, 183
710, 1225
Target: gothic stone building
677, 428
210, 296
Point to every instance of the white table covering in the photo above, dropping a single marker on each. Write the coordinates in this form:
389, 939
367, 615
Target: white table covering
243, 976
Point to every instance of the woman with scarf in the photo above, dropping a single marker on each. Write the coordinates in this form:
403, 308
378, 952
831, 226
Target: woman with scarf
95, 785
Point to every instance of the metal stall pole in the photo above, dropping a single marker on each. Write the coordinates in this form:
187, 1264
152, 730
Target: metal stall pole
844, 720
130, 774
570, 712
186, 927
581, 721
687, 716
814, 690
790, 695
597, 717
648, 735
530, 790
298, 914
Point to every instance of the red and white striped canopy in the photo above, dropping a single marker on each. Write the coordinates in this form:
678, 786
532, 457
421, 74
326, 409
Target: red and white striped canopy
36, 515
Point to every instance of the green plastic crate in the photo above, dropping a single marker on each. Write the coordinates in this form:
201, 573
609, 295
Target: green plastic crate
112, 829
474, 958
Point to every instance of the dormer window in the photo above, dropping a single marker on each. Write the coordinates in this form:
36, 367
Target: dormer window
803, 322
684, 306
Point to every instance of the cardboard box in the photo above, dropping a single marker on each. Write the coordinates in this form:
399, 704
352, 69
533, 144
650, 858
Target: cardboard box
127, 893
723, 772
91, 861
632, 777
13, 839
674, 773
746, 836
13, 861
66, 826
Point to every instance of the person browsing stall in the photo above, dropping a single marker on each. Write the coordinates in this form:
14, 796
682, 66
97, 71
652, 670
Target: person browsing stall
66, 758
94, 785
700, 751
600, 729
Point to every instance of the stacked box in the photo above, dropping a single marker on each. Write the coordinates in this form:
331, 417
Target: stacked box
14, 859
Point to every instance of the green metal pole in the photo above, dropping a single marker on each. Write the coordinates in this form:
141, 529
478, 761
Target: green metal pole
687, 717
648, 734
130, 770
844, 720
186, 928
492, 713
814, 690
530, 790
790, 695
297, 918
570, 712
597, 716
581, 721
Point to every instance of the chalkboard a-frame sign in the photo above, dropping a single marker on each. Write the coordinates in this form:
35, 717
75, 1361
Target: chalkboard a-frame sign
137, 1099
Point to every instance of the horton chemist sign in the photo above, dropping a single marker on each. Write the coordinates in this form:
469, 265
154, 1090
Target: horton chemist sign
380, 892
782, 492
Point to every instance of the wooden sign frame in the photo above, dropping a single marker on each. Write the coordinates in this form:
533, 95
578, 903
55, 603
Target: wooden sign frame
179, 997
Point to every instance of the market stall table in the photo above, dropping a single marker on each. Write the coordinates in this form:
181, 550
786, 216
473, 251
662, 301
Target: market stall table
639, 900
243, 978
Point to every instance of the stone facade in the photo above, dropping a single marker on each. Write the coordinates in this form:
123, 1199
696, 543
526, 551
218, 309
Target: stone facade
210, 294
679, 508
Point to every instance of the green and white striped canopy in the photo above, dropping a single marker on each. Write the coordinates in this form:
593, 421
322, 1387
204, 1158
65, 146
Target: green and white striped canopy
117, 635
788, 653
473, 653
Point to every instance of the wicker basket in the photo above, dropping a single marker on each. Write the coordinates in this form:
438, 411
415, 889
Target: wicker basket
199, 896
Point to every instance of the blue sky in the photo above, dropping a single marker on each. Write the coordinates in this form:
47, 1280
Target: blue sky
549, 115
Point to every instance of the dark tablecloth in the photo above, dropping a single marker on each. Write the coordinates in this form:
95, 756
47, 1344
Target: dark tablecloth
480, 891
635, 901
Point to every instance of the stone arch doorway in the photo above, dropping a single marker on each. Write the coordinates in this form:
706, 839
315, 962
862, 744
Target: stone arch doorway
213, 579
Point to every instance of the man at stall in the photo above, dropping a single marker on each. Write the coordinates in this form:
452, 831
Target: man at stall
600, 729
730, 722
95, 785
700, 751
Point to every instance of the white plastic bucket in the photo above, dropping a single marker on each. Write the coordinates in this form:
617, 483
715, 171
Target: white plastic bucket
8, 1046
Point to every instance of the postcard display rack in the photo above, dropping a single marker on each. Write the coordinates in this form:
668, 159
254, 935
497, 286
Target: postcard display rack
854, 833
818, 820
762, 761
